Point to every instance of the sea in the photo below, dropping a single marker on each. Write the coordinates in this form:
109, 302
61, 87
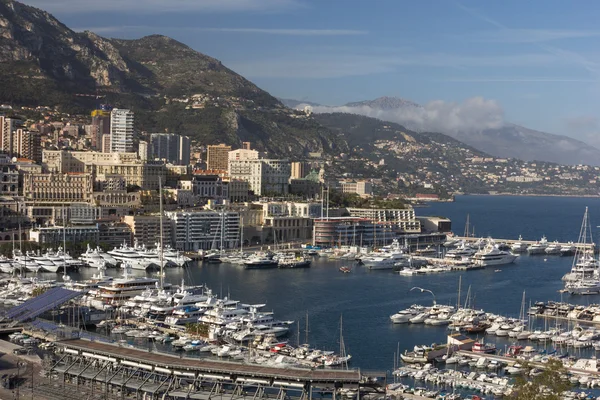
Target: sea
328, 305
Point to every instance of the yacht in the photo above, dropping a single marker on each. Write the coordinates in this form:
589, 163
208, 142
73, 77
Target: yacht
568, 249
126, 287
95, 257
258, 261
519, 246
587, 286
293, 261
538, 247
491, 255
583, 278
386, 261
553, 248
461, 250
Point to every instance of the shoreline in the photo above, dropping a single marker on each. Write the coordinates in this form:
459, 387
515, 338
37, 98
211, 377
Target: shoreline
592, 196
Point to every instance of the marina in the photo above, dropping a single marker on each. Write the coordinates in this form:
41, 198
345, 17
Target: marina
363, 296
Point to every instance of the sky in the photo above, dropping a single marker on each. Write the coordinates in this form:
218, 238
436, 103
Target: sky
533, 63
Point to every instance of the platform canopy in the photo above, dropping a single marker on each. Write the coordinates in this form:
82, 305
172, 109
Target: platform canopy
50, 299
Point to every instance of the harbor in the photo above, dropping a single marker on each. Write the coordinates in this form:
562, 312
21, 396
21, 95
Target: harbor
315, 316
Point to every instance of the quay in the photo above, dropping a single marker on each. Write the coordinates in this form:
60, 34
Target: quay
470, 239
512, 361
152, 375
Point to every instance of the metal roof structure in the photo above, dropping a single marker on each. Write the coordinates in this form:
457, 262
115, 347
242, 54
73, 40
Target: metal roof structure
38, 305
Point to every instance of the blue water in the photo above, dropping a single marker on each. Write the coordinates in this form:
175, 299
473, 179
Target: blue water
366, 298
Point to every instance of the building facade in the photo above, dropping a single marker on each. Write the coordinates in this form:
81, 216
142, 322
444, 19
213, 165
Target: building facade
217, 157
72, 234
403, 219
263, 175
170, 147
361, 188
58, 188
121, 131
9, 180
145, 229
204, 230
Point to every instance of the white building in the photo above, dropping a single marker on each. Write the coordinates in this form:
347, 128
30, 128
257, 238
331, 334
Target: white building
121, 131
196, 230
263, 175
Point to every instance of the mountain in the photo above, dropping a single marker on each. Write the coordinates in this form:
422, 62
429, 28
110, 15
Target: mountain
295, 103
384, 103
43, 62
486, 131
391, 153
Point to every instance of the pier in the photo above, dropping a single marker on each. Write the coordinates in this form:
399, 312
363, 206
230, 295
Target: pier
469, 239
124, 369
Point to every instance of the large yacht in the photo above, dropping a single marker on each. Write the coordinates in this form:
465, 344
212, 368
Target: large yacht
386, 261
491, 255
258, 261
461, 250
95, 257
519, 246
538, 247
126, 287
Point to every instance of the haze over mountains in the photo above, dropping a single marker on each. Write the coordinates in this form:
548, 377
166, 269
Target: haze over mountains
477, 122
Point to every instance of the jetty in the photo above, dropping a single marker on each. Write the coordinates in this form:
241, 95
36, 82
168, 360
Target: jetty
113, 368
470, 239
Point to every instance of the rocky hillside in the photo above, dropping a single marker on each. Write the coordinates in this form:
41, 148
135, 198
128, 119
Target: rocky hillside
43, 62
501, 139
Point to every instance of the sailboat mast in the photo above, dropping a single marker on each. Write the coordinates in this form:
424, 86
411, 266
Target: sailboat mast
459, 284
161, 253
242, 237
306, 331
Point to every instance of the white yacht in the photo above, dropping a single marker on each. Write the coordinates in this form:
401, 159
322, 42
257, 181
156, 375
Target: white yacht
568, 249
386, 261
538, 247
491, 255
126, 287
95, 257
553, 248
583, 278
461, 250
519, 246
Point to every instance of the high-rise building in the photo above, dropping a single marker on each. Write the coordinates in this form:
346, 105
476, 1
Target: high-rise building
105, 144
27, 144
217, 157
7, 126
171, 147
264, 176
300, 169
121, 131
144, 150
100, 126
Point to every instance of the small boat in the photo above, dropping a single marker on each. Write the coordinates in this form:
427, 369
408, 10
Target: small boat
345, 270
480, 347
497, 270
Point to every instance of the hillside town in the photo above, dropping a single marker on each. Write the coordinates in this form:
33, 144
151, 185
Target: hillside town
100, 177
96, 181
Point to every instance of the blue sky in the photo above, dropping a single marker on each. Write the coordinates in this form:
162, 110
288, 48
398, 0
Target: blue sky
536, 61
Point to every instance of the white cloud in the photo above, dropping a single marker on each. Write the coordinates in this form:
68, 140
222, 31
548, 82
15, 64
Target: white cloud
291, 32
473, 114
157, 6
265, 31
331, 64
531, 35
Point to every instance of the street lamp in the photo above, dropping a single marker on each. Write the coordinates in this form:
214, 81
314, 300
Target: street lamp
424, 290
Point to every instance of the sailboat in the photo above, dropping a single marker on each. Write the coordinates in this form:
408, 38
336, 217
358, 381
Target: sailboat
343, 358
583, 278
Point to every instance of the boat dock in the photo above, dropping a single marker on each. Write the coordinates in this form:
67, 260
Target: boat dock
114, 368
470, 239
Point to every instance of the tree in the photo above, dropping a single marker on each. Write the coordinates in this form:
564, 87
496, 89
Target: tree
549, 385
